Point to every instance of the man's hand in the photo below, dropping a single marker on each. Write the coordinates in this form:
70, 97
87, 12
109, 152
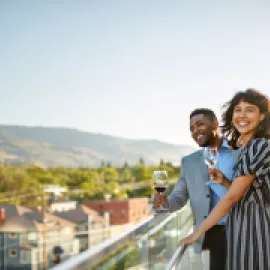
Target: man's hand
219, 178
159, 200
216, 175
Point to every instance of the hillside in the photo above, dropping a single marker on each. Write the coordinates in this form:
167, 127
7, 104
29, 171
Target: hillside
47, 146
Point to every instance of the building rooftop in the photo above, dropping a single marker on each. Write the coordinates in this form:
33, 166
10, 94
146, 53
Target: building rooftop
25, 215
117, 200
62, 200
18, 224
80, 214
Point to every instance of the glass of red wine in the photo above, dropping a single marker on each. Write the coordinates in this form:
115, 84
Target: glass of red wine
160, 181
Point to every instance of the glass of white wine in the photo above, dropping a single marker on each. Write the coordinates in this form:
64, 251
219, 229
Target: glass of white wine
210, 155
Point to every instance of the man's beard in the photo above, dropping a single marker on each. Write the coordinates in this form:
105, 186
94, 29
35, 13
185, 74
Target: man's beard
209, 141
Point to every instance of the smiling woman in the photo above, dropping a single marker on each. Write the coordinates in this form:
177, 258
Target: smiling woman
246, 117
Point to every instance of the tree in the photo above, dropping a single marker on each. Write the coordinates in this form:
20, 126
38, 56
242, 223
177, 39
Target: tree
141, 173
110, 174
109, 164
126, 175
102, 164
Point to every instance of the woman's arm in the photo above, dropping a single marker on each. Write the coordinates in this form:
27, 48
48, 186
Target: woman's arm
236, 191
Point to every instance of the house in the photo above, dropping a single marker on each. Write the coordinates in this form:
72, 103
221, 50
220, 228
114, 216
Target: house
121, 211
22, 237
61, 204
91, 229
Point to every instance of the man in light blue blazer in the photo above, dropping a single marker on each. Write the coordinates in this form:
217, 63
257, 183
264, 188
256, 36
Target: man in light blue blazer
192, 184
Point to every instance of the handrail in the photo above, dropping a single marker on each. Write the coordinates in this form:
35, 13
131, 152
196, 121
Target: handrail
164, 222
177, 256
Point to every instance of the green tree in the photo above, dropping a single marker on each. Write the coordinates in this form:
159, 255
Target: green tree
127, 175
102, 164
141, 173
110, 174
109, 164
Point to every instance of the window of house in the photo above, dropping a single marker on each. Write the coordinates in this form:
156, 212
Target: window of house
12, 235
66, 231
25, 257
12, 253
32, 236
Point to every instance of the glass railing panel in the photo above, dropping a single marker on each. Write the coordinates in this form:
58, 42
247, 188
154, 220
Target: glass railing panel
193, 261
185, 258
134, 253
164, 242
148, 246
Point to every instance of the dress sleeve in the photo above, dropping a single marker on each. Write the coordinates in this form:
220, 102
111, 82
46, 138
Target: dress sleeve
257, 159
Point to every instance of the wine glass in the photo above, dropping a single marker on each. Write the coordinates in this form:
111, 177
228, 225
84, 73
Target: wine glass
210, 155
160, 181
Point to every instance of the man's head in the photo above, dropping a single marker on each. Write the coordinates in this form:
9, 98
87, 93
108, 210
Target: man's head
203, 126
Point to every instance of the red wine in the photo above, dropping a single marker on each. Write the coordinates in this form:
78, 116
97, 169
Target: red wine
160, 189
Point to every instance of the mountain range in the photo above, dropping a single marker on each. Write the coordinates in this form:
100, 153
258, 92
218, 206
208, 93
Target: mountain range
51, 147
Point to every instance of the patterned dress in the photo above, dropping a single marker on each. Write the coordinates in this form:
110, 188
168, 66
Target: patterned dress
248, 226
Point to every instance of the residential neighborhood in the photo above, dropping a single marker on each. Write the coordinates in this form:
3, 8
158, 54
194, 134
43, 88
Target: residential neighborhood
30, 237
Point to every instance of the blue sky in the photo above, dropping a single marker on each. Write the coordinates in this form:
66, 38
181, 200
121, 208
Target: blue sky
133, 69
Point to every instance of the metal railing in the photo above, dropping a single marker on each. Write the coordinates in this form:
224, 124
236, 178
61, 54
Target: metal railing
177, 256
152, 244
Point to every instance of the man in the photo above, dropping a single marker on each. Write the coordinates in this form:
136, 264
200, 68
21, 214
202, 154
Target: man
192, 184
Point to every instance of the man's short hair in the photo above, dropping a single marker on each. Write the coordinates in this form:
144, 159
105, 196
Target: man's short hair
206, 112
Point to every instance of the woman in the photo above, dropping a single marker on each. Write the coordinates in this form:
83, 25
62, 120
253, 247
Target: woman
246, 119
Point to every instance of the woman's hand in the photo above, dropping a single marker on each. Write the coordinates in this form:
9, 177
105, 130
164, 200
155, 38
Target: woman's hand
190, 239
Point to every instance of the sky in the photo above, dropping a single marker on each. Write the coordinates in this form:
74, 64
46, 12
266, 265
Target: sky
134, 69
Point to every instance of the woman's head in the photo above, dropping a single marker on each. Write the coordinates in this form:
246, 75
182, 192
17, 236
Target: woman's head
246, 114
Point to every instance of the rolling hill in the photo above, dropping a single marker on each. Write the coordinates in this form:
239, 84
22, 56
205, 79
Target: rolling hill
46, 146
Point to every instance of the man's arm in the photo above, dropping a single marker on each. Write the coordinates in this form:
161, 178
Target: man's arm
179, 196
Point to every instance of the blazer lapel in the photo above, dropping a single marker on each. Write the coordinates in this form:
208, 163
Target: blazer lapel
202, 166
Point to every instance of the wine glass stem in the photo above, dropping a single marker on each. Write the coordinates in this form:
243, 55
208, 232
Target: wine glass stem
161, 194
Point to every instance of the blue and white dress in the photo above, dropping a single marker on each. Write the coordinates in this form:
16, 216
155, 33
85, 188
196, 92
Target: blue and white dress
248, 225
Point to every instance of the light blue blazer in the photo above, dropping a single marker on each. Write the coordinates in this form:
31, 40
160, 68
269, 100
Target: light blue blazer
191, 186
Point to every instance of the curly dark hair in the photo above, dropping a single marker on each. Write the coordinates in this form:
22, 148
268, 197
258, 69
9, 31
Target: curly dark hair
251, 96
